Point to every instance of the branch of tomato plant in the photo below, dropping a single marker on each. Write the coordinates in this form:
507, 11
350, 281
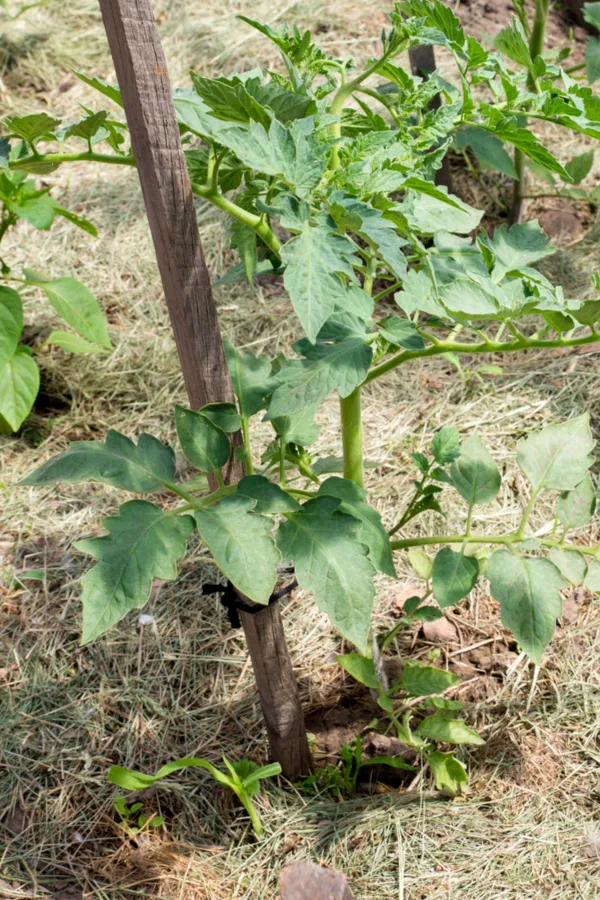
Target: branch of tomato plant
487, 346
206, 191
506, 539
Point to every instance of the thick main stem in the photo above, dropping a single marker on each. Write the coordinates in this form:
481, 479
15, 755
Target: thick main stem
351, 418
536, 46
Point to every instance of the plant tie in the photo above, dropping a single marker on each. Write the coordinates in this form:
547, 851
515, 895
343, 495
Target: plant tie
233, 602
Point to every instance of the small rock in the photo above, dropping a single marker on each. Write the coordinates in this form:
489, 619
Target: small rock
386, 745
571, 604
442, 631
307, 881
592, 850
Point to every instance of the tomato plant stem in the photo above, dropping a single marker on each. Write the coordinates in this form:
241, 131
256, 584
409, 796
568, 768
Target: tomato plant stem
536, 46
520, 343
506, 539
350, 410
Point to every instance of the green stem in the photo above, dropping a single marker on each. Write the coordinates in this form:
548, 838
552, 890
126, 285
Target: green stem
344, 92
193, 501
110, 158
350, 411
526, 514
281, 463
521, 343
308, 473
389, 290
536, 46
506, 539
207, 191
246, 436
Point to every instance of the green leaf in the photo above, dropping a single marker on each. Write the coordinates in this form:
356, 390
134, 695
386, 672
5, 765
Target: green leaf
229, 100
72, 343
580, 166
74, 219
250, 377
143, 543
290, 210
474, 474
289, 153
512, 41
445, 445
194, 115
421, 681
270, 498
527, 142
488, 149
237, 273
361, 668
591, 14
131, 780
438, 15
427, 214
297, 428
426, 613
592, 59
332, 564
448, 772
396, 762
205, 445
371, 531
33, 127
440, 728
243, 239
103, 87
223, 415
576, 507
88, 127
368, 223
315, 260
557, 457
76, 305
240, 545
517, 247
402, 333
286, 104
454, 575
20, 383
36, 207
592, 579
421, 563
570, 563
11, 323
530, 602
119, 461
306, 382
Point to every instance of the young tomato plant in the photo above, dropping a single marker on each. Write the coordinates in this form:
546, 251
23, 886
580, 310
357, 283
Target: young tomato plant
20, 199
243, 778
327, 174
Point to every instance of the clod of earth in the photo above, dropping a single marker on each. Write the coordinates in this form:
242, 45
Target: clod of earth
307, 881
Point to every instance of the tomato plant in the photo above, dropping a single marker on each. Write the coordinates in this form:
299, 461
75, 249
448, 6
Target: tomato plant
22, 200
328, 181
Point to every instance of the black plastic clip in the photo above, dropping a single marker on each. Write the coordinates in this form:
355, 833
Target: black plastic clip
233, 603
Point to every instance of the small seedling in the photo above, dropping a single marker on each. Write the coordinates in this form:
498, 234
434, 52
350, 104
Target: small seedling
243, 778
127, 813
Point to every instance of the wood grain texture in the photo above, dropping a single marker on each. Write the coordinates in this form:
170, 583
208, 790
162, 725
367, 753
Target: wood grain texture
145, 86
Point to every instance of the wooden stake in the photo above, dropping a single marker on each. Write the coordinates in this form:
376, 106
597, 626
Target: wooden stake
422, 62
144, 81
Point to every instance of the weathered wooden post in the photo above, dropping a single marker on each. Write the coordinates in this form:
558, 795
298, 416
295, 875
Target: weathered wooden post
144, 81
